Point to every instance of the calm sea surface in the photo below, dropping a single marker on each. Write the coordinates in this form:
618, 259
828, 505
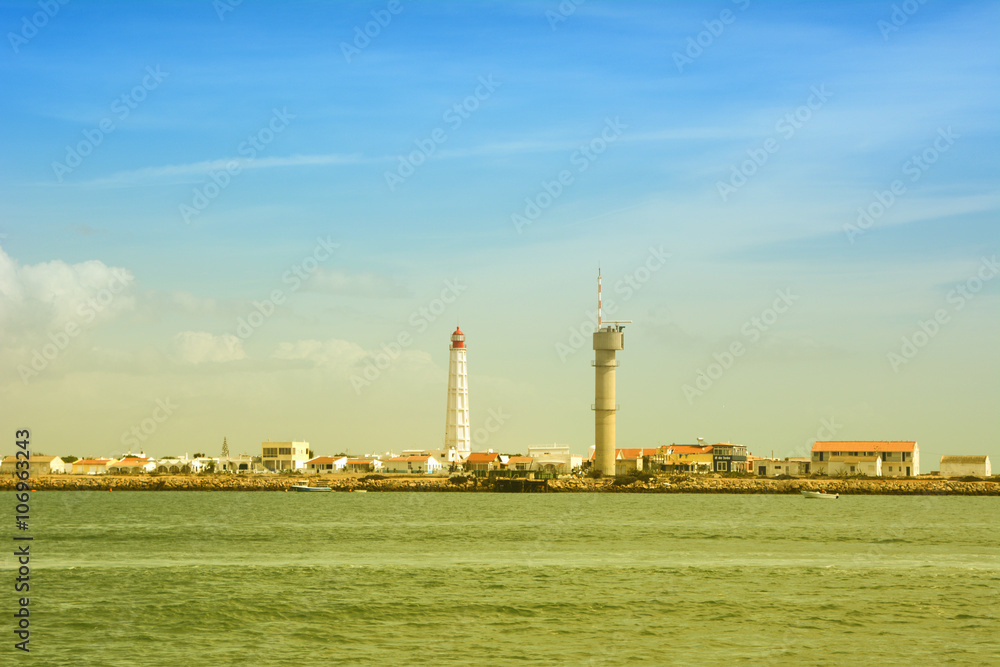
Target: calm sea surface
201, 578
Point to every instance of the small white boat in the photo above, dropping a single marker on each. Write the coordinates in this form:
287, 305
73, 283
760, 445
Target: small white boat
304, 486
820, 494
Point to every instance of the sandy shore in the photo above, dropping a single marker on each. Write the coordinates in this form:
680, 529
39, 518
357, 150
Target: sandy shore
397, 483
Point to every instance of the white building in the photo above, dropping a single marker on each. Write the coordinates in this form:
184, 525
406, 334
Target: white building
869, 466
37, 465
965, 466
278, 456
413, 464
553, 458
774, 467
457, 434
899, 458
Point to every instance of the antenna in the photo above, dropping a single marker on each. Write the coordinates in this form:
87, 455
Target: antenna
598, 298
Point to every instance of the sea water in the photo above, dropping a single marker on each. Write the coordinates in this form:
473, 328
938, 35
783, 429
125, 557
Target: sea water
243, 578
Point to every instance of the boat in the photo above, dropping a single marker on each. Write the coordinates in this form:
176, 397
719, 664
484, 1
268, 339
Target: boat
304, 486
820, 494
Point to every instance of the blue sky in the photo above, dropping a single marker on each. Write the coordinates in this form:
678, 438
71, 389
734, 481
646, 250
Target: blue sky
838, 104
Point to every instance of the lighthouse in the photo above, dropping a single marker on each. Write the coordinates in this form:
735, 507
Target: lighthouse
456, 429
609, 337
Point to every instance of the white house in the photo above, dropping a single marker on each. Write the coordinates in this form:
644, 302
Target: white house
363, 465
413, 464
132, 465
869, 466
773, 467
899, 458
965, 466
553, 458
326, 464
37, 465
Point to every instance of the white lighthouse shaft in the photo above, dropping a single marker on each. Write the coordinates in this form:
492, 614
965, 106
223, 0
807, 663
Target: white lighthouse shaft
457, 432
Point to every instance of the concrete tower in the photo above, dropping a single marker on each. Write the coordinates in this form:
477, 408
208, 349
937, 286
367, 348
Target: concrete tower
456, 429
607, 340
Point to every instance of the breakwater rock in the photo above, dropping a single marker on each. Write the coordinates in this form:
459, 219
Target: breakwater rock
709, 484
393, 483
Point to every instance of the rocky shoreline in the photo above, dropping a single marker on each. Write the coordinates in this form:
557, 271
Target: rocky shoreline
675, 484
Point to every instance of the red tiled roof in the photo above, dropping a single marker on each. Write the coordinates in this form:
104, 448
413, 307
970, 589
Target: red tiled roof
92, 462
482, 457
520, 459
324, 459
864, 446
691, 449
359, 462
134, 463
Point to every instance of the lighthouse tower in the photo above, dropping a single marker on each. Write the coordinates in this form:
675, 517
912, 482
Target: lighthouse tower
607, 340
456, 429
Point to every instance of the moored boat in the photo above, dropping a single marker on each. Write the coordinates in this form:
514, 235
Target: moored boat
304, 486
820, 494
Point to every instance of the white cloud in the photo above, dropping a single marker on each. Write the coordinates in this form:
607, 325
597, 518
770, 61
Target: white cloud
40, 298
355, 284
330, 353
197, 347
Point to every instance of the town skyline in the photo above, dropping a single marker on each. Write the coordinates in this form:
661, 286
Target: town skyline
264, 222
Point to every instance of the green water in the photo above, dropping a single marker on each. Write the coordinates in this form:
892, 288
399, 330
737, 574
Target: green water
199, 578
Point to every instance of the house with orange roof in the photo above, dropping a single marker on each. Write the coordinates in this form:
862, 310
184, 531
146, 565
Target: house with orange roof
325, 464
897, 458
482, 461
519, 463
91, 466
132, 465
413, 464
685, 458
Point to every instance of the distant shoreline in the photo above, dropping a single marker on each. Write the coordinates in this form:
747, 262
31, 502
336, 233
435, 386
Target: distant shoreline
437, 484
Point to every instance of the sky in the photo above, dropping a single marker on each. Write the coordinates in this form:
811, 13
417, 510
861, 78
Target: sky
263, 221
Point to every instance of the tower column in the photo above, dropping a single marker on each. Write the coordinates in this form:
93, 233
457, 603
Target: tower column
457, 433
607, 341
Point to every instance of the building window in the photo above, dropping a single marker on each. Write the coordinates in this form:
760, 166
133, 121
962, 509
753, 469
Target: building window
285, 451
